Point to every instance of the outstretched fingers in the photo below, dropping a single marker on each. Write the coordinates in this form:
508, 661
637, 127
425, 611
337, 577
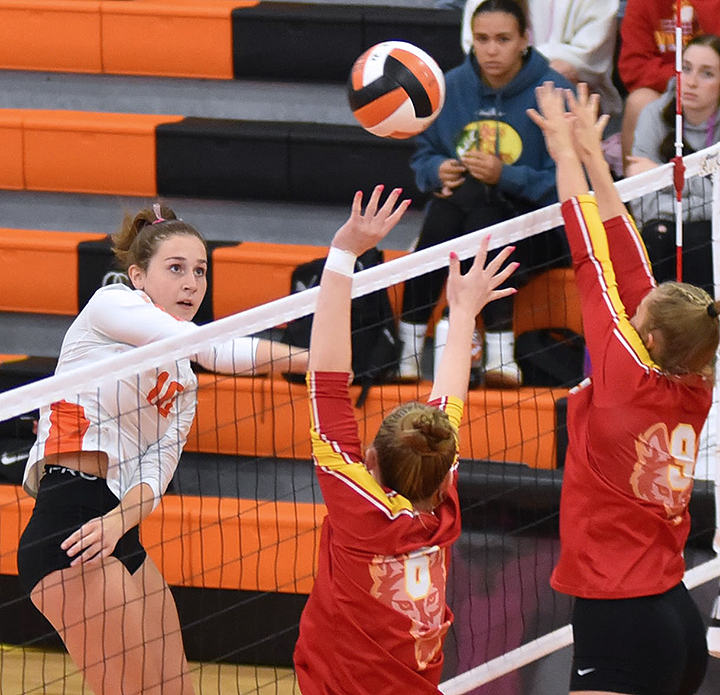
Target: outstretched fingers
496, 263
588, 128
477, 287
538, 119
365, 228
374, 201
391, 212
356, 208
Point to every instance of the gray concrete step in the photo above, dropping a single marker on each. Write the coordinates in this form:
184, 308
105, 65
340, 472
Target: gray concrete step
217, 220
241, 99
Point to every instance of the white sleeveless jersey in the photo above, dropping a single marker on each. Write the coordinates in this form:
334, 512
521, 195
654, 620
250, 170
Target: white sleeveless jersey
142, 421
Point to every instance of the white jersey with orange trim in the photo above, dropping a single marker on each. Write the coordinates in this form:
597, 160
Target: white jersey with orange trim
377, 616
633, 430
141, 422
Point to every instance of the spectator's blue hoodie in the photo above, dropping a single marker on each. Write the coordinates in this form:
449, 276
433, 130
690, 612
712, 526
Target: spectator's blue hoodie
474, 112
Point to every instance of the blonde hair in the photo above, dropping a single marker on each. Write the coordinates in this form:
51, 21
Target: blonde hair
686, 318
138, 238
416, 447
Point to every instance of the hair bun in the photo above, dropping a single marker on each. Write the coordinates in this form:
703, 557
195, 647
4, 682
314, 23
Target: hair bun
422, 432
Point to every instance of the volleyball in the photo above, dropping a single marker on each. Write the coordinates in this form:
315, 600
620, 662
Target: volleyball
396, 90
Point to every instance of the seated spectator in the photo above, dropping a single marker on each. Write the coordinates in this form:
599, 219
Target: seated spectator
655, 145
647, 54
576, 36
485, 162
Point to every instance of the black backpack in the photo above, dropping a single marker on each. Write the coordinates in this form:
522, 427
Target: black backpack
550, 357
375, 342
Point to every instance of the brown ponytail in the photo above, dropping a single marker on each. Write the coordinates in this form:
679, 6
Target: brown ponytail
416, 447
137, 239
686, 318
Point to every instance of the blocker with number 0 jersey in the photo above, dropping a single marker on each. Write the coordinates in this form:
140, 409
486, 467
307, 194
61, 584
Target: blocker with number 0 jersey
377, 614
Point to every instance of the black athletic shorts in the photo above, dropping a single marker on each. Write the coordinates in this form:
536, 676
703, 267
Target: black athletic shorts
652, 645
66, 500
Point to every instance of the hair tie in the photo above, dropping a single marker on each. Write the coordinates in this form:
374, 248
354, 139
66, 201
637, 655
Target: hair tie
712, 310
158, 214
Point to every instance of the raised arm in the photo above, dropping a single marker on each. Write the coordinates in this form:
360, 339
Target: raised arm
556, 127
627, 250
587, 130
618, 355
330, 346
466, 296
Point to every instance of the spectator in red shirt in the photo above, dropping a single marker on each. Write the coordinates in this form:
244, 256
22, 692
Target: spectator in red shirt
647, 54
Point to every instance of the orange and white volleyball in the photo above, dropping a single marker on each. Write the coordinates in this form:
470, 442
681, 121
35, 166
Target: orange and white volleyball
396, 90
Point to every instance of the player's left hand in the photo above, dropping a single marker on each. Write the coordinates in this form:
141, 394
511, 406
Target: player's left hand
363, 230
588, 126
471, 292
94, 540
553, 119
483, 166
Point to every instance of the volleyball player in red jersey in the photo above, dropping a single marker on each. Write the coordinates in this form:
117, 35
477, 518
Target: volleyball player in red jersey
633, 431
376, 618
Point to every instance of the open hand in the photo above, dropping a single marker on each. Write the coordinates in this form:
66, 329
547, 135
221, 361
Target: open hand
588, 128
363, 230
552, 119
472, 291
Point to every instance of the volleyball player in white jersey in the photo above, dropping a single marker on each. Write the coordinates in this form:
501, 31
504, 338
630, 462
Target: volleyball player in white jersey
103, 459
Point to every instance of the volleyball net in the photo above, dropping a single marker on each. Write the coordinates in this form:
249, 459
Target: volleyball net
236, 535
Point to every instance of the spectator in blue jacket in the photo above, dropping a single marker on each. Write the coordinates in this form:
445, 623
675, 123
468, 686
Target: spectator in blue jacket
485, 162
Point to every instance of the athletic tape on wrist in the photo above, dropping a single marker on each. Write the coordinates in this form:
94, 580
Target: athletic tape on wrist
340, 261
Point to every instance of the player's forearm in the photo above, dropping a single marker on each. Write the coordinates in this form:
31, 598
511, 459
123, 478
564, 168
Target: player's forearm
454, 370
609, 202
273, 356
570, 176
137, 503
330, 347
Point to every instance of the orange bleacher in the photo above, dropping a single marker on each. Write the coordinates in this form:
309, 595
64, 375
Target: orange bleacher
12, 160
173, 38
79, 151
269, 417
55, 35
509, 425
91, 152
40, 270
208, 542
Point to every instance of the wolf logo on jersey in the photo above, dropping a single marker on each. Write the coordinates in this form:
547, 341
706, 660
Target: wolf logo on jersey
415, 586
658, 476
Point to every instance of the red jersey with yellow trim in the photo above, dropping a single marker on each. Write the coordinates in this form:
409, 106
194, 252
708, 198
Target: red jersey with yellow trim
376, 618
633, 430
